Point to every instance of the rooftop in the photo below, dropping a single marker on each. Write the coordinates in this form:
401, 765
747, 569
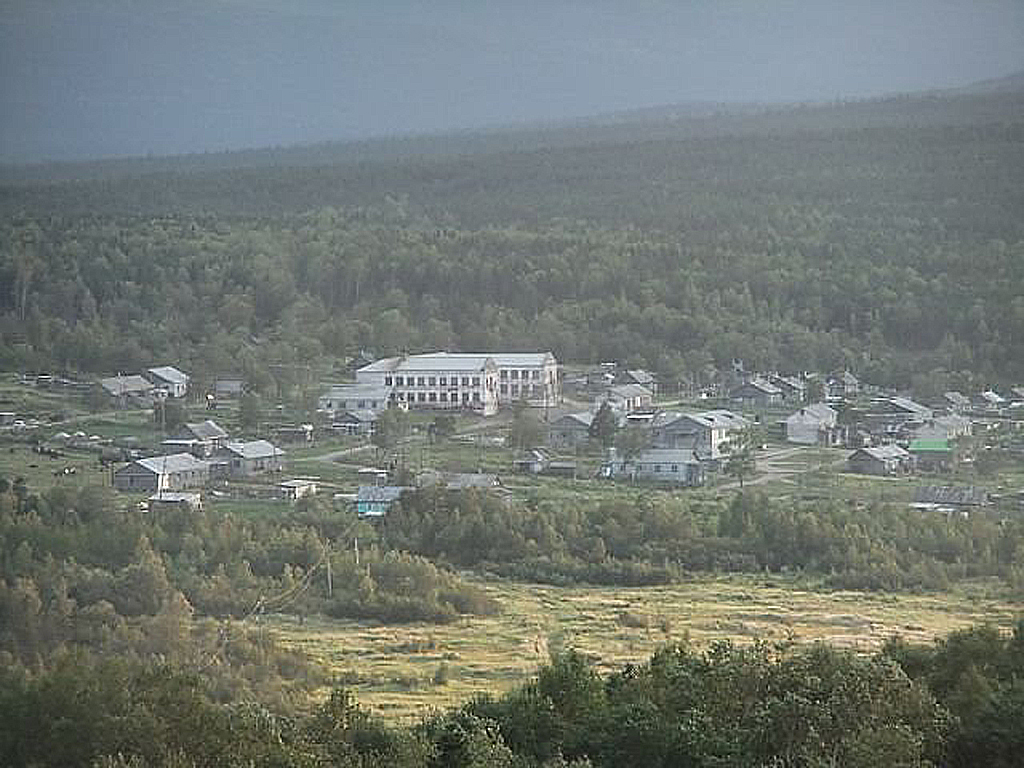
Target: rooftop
169, 373
175, 462
253, 449
380, 492
125, 385
206, 430
884, 452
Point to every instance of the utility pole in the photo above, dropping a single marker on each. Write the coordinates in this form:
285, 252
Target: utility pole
330, 575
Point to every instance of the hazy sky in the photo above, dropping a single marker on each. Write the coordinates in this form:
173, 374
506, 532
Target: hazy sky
92, 78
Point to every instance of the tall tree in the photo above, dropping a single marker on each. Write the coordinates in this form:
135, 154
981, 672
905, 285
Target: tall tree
605, 425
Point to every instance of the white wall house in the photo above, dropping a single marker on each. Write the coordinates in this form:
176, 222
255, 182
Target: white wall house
169, 378
341, 398
439, 381
814, 424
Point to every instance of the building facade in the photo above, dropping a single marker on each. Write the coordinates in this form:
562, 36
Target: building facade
437, 381
175, 472
479, 382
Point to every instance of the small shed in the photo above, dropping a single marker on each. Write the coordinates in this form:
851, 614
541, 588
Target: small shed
880, 460
189, 501
377, 500
293, 490
932, 453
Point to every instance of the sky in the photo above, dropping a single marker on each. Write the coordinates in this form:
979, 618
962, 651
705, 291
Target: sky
84, 79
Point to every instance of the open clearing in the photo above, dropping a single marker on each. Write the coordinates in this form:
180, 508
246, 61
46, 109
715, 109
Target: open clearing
405, 670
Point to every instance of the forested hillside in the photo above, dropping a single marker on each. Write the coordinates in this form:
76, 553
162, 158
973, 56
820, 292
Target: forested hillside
885, 236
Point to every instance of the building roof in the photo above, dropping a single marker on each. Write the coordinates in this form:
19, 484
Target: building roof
762, 385
357, 391
908, 405
459, 361
206, 430
522, 359
958, 399
170, 374
297, 483
965, 495
815, 412
432, 361
929, 445
666, 456
883, 452
789, 382
718, 418
626, 391
126, 385
357, 416
177, 497
640, 376
581, 418
383, 365
457, 481
253, 449
172, 463
993, 398
384, 493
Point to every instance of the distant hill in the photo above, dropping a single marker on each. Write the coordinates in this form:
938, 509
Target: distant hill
984, 102
1013, 83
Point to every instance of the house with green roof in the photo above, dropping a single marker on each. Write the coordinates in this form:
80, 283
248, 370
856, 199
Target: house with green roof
932, 453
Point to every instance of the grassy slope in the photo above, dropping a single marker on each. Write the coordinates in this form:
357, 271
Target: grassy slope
392, 668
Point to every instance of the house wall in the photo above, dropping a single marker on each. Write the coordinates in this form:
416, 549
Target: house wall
134, 478
802, 432
660, 472
444, 389
567, 437
537, 384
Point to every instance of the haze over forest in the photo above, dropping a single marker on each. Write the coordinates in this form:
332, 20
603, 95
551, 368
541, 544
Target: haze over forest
105, 78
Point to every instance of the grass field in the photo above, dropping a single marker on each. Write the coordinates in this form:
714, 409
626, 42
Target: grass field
403, 671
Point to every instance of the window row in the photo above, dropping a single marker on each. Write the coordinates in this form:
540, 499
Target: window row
431, 381
436, 397
515, 374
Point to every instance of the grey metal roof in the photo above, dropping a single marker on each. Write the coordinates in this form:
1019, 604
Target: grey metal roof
173, 463
763, 385
718, 418
667, 456
253, 449
629, 390
175, 497
169, 373
582, 418
906, 404
957, 398
357, 392
640, 376
459, 361
358, 415
966, 495
884, 452
126, 385
206, 430
380, 492
814, 412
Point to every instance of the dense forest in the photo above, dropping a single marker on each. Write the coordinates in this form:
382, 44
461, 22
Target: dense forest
885, 237
115, 651
959, 703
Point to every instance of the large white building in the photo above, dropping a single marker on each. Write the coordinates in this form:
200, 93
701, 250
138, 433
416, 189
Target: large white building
480, 382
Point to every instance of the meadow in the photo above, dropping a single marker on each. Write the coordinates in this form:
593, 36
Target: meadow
404, 671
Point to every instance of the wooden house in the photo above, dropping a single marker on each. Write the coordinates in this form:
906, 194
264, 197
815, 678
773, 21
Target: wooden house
880, 460
175, 472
